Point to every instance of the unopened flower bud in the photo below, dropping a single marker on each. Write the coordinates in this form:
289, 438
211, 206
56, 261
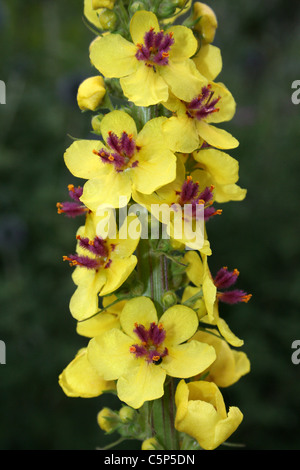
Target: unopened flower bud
126, 414
107, 19
136, 6
90, 93
166, 9
137, 288
179, 3
207, 23
103, 4
150, 444
96, 121
107, 420
169, 299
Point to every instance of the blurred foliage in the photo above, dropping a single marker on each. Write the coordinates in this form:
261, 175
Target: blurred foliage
44, 57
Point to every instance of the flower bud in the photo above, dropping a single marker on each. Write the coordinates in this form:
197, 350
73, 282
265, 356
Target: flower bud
103, 4
126, 414
169, 299
136, 6
90, 93
166, 9
107, 19
138, 288
96, 121
107, 420
207, 23
150, 444
179, 3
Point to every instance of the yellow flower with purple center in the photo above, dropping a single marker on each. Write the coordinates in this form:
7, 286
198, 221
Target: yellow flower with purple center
192, 122
146, 349
102, 264
157, 60
219, 169
214, 290
183, 206
126, 159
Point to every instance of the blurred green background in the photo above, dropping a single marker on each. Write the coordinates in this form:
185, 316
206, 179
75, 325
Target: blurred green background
44, 57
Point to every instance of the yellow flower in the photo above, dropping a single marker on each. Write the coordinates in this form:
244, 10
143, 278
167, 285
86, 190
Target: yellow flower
102, 264
201, 413
80, 379
199, 274
90, 93
221, 171
146, 350
125, 160
191, 124
229, 366
208, 22
183, 206
153, 63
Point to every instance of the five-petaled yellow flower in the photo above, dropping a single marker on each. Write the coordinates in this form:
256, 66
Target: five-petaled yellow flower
154, 63
145, 350
127, 159
102, 264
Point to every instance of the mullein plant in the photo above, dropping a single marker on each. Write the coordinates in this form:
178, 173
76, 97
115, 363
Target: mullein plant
149, 306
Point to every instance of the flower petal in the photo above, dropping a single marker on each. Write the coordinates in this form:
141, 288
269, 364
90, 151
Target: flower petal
223, 168
209, 61
155, 169
113, 56
117, 272
140, 310
226, 106
183, 78
216, 137
180, 323
188, 359
109, 354
142, 383
80, 379
185, 43
118, 122
181, 134
97, 325
84, 301
111, 190
144, 87
141, 23
81, 161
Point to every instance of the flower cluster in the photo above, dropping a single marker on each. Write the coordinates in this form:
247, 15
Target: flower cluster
156, 164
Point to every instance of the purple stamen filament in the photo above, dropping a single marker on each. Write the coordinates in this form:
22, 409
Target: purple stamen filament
190, 194
225, 279
98, 247
75, 207
156, 47
203, 105
122, 149
151, 343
